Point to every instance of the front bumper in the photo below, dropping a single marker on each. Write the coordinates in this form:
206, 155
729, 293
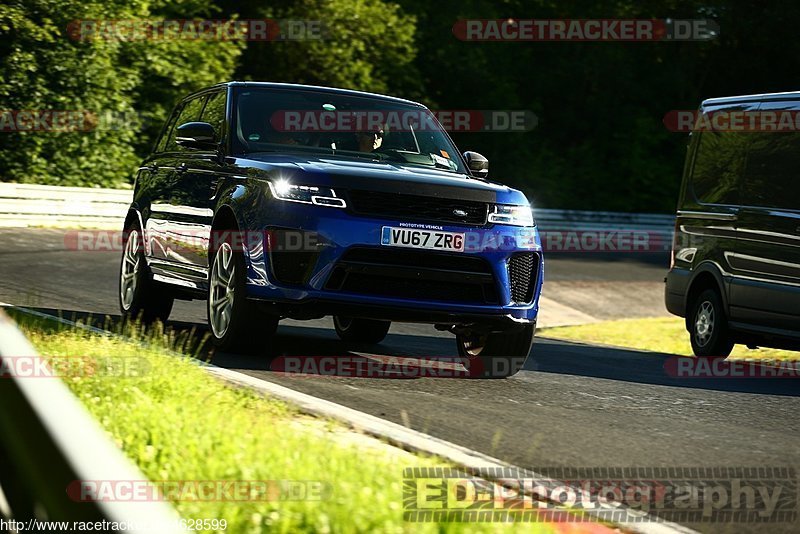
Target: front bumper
320, 241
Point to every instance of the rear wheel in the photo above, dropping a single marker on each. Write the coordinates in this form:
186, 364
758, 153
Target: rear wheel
360, 330
495, 354
237, 325
140, 297
708, 326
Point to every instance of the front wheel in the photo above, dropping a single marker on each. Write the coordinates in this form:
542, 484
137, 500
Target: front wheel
236, 324
708, 326
360, 330
495, 354
139, 297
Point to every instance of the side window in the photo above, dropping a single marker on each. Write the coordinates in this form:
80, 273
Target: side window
772, 178
214, 113
190, 113
718, 166
161, 145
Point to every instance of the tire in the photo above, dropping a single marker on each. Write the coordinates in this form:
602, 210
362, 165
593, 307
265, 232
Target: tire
236, 323
360, 330
708, 326
139, 297
495, 355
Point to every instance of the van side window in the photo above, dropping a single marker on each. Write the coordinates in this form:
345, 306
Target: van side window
718, 166
772, 178
190, 113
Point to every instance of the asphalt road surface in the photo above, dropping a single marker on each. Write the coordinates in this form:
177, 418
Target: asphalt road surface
573, 405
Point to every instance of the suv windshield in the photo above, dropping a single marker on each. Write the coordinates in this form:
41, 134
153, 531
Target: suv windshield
300, 120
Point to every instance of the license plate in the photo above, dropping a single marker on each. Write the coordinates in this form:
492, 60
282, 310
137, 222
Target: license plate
415, 238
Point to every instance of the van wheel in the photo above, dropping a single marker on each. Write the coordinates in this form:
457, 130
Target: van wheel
139, 297
236, 324
360, 330
708, 326
497, 354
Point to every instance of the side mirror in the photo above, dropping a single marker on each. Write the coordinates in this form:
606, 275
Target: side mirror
197, 135
477, 164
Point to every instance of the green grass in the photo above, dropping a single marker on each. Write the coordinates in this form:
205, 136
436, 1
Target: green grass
178, 423
663, 334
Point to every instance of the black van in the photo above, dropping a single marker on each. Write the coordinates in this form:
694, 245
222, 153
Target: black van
735, 269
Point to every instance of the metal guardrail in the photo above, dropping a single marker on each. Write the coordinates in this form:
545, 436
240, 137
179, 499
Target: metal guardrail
43, 205
40, 205
607, 220
48, 442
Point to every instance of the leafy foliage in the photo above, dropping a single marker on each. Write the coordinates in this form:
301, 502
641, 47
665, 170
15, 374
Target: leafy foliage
599, 144
125, 87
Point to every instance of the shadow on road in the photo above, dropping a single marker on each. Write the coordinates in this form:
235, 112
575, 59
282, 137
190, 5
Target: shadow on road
580, 359
548, 356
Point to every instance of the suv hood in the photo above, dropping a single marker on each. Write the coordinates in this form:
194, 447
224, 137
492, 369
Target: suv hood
395, 177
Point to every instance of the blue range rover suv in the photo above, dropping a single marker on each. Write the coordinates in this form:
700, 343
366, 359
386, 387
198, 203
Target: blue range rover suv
285, 201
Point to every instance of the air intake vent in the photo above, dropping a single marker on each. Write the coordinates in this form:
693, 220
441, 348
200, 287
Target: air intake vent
522, 270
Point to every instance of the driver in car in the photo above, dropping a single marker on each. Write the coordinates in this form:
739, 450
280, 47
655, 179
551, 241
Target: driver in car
369, 141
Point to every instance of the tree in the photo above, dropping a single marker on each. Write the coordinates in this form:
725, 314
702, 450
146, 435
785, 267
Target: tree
365, 44
123, 89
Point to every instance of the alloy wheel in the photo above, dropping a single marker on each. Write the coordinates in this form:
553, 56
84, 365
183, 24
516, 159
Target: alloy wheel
129, 274
223, 287
704, 324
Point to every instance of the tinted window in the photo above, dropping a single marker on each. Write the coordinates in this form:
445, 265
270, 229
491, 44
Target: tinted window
190, 113
322, 122
772, 179
165, 135
718, 166
214, 113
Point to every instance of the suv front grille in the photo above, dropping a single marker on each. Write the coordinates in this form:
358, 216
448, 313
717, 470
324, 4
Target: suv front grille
417, 207
418, 275
522, 270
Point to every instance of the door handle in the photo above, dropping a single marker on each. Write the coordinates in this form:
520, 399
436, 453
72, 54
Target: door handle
182, 168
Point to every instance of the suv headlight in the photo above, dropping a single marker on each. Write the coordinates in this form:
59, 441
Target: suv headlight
306, 194
511, 215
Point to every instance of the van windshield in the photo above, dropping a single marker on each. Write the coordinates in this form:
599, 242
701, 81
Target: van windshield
363, 127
